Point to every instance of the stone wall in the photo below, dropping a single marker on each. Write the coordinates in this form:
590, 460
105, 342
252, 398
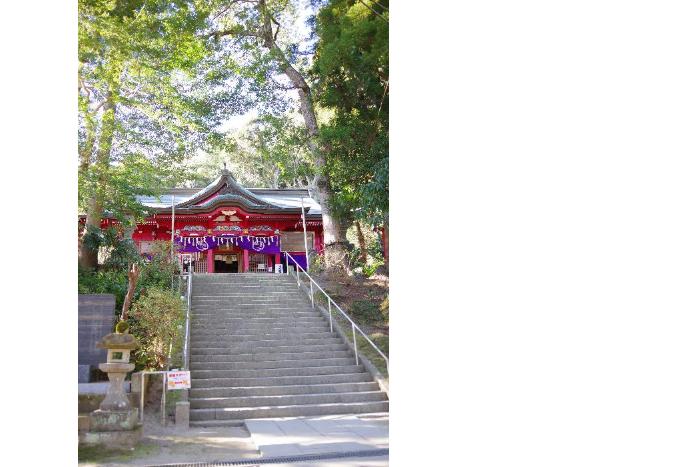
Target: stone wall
95, 319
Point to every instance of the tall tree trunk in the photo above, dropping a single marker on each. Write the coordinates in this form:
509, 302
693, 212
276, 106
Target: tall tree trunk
361, 241
87, 256
335, 246
385, 242
86, 151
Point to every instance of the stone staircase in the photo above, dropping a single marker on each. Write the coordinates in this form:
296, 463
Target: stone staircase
260, 351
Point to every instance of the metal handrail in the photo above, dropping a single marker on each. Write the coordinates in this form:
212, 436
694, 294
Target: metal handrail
186, 346
331, 301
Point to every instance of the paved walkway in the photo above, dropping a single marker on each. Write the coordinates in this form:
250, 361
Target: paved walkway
382, 461
169, 445
315, 435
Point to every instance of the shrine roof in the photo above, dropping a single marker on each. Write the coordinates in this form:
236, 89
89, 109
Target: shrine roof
225, 190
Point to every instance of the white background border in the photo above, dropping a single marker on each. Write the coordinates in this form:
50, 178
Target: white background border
555, 144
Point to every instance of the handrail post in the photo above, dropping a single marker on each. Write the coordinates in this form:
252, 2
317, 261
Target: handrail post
330, 319
186, 350
286, 258
298, 282
311, 289
354, 340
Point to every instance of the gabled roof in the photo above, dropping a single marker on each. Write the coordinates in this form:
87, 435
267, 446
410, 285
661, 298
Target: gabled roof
226, 191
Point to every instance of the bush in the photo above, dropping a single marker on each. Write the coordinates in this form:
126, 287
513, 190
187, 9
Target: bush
384, 309
369, 269
316, 264
159, 270
365, 311
104, 281
157, 319
354, 258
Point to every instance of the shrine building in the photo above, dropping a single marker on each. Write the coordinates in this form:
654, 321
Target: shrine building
226, 228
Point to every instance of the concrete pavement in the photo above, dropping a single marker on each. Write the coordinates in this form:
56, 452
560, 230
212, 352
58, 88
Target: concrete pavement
316, 435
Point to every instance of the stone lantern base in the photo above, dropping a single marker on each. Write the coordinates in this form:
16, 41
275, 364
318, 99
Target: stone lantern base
112, 439
108, 420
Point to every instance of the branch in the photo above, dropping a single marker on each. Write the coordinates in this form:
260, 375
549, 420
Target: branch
231, 32
228, 7
133, 278
274, 37
100, 105
282, 87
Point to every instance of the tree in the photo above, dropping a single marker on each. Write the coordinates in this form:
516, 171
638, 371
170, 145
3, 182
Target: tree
150, 93
261, 30
270, 151
351, 69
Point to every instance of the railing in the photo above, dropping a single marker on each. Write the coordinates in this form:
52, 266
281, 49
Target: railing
186, 345
355, 327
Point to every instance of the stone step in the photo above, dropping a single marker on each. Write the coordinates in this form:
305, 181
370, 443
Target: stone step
248, 322
259, 321
275, 357
291, 334
258, 312
249, 292
235, 413
254, 329
235, 303
207, 348
276, 372
238, 301
219, 382
259, 350
286, 400
230, 305
248, 305
274, 364
283, 390
235, 315
244, 287
253, 310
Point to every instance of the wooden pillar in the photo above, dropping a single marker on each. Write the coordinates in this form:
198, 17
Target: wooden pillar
245, 260
210, 261
277, 259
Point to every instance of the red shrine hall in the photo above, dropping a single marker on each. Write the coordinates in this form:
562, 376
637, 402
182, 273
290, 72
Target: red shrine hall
225, 228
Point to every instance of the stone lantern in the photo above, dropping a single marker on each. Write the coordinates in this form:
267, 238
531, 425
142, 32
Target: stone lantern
115, 423
119, 347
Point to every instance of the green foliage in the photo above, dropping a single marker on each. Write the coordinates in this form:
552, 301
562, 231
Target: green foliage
113, 278
366, 312
271, 151
157, 321
316, 264
104, 282
369, 269
384, 309
151, 92
159, 271
352, 71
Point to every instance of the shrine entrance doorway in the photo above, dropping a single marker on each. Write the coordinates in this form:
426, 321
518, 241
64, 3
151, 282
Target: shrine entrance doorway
226, 263
228, 259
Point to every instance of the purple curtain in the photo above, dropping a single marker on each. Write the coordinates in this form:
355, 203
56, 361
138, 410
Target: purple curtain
268, 245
